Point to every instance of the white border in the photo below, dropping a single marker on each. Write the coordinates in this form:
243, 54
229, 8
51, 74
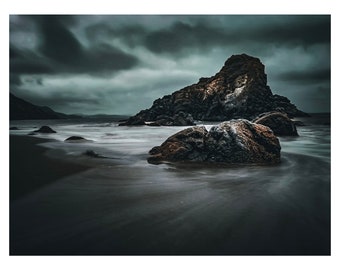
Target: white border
171, 7
165, 7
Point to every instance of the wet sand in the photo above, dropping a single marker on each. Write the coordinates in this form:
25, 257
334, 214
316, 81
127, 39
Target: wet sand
31, 169
132, 210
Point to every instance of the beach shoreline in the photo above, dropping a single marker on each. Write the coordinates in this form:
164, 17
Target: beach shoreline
31, 168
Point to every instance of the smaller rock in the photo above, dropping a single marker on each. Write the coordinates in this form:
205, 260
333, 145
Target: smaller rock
91, 153
278, 122
75, 138
45, 129
13, 128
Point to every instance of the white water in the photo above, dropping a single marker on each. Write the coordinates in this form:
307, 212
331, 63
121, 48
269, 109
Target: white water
105, 138
110, 139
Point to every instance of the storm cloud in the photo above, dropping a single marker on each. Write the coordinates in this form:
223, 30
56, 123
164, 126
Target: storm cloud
184, 36
119, 64
59, 51
308, 76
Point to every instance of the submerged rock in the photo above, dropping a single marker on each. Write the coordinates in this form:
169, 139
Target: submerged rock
75, 138
13, 128
235, 141
279, 123
238, 90
45, 129
93, 154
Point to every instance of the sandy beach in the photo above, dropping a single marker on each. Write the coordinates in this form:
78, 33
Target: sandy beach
31, 169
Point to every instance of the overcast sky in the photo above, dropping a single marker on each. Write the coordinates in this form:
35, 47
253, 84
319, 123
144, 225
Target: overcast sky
120, 64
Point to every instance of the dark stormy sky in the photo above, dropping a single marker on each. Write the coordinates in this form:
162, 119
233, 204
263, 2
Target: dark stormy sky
120, 64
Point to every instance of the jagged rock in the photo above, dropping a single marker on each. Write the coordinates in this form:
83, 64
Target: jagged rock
235, 141
238, 90
183, 119
282, 104
279, 123
45, 129
74, 138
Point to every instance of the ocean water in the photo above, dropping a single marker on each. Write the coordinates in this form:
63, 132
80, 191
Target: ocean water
124, 205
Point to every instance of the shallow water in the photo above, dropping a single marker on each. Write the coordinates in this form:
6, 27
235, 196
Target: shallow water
126, 206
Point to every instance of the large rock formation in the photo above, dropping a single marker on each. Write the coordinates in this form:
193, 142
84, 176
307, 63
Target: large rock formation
238, 90
279, 123
235, 141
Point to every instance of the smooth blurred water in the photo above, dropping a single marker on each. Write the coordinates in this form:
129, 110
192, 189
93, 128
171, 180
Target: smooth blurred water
126, 206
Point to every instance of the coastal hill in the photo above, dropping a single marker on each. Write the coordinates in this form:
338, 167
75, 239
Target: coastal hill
238, 90
23, 110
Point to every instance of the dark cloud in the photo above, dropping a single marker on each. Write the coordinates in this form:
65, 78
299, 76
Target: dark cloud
28, 62
199, 33
304, 31
176, 37
182, 36
59, 51
306, 76
56, 41
133, 35
105, 57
